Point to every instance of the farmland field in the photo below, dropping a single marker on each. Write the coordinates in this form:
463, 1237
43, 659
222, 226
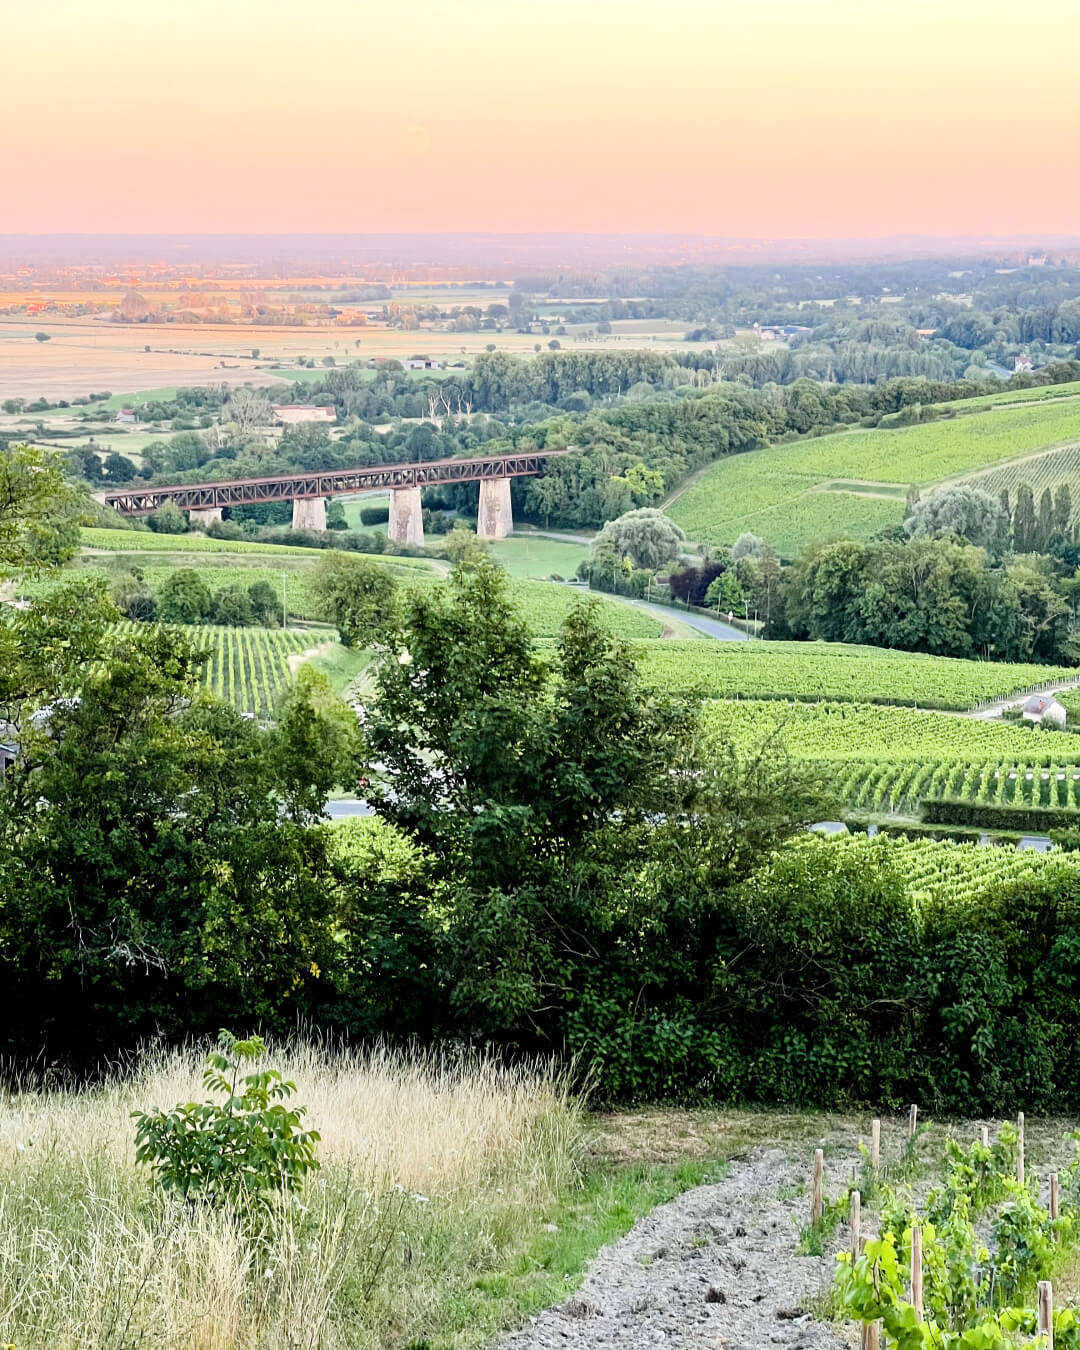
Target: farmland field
818, 671
945, 871
791, 494
889, 759
87, 355
248, 667
1040, 394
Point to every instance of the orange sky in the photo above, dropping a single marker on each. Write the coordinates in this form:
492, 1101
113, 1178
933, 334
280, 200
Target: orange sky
786, 118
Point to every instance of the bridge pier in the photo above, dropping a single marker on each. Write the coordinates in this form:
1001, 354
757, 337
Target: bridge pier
406, 521
309, 513
495, 519
201, 516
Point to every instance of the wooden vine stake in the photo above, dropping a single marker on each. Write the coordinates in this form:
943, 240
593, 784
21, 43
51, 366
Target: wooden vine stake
817, 1190
916, 1271
1045, 1325
869, 1338
913, 1116
1054, 1204
875, 1145
986, 1136
1020, 1147
856, 1223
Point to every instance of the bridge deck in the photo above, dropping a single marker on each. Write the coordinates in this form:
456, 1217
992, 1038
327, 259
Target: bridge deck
134, 501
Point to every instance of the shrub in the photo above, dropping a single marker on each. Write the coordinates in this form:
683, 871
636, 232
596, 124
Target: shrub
235, 1152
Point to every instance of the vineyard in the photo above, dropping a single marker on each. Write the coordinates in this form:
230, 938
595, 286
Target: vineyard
889, 759
782, 493
1048, 470
944, 871
248, 667
143, 541
817, 671
968, 1264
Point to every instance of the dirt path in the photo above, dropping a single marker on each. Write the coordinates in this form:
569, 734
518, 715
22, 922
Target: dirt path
297, 659
716, 1267
990, 710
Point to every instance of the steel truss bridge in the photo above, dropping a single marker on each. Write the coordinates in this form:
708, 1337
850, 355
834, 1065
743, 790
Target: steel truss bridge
135, 501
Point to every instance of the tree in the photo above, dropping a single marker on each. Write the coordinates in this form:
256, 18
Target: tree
133, 597
38, 511
266, 605
184, 598
725, 594
963, 511
232, 608
247, 409
118, 468
209, 895
1024, 524
168, 519
357, 596
748, 546
646, 536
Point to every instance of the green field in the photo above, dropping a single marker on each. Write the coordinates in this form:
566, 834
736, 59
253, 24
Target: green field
529, 555
794, 494
945, 871
1039, 472
1040, 394
248, 667
127, 541
821, 672
889, 759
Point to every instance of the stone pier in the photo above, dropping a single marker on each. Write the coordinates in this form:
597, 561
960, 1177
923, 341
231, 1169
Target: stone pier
406, 524
309, 513
494, 520
201, 516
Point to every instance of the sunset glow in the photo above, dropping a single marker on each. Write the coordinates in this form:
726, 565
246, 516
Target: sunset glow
792, 118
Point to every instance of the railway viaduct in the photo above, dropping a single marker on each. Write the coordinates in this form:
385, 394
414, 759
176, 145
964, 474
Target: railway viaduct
308, 492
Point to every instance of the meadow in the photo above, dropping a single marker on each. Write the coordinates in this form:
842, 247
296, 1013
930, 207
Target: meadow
438, 1173
793, 494
817, 671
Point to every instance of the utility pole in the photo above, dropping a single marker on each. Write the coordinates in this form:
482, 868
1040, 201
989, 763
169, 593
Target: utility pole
284, 601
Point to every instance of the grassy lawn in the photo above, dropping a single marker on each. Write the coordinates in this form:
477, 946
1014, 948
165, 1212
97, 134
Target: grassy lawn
530, 555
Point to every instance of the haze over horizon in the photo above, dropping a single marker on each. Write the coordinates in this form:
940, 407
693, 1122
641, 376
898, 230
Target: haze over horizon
821, 120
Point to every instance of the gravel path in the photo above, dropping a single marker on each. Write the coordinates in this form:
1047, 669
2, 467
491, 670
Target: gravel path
715, 1268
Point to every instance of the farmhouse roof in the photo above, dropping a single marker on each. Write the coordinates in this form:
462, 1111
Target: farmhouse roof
1038, 704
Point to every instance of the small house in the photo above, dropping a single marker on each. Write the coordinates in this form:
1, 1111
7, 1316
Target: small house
126, 416
1040, 708
292, 414
1022, 362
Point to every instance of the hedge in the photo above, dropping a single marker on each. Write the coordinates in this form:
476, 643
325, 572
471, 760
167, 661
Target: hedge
374, 515
1034, 819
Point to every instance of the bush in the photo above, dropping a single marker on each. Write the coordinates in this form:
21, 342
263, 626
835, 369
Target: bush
236, 1152
374, 515
1034, 819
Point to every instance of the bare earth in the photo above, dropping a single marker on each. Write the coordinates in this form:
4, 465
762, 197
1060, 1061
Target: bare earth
716, 1267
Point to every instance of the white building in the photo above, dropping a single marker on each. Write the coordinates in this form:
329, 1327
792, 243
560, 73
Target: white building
1041, 708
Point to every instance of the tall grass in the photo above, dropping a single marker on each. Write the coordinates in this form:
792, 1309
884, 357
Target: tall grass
433, 1170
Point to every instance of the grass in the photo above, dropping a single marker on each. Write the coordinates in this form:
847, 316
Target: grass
530, 555
455, 1198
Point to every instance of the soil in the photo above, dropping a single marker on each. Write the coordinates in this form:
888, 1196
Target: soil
717, 1267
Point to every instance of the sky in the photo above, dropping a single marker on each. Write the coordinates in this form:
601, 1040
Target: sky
768, 118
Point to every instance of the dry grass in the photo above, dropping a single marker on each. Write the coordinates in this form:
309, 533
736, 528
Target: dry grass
432, 1169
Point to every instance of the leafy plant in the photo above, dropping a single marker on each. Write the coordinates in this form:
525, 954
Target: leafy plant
234, 1152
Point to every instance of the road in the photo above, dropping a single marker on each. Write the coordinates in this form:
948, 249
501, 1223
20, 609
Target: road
712, 627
